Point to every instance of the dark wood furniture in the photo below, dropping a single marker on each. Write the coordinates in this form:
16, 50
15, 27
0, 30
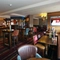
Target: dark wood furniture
48, 42
9, 34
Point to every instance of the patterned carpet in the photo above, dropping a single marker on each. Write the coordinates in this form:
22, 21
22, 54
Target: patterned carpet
10, 54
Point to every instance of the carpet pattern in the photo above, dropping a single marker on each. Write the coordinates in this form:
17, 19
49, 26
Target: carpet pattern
11, 54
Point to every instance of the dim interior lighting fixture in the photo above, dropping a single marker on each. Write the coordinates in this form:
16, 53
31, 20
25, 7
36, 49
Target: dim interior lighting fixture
43, 16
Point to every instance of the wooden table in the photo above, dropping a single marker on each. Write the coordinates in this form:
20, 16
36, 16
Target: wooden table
38, 59
47, 41
9, 35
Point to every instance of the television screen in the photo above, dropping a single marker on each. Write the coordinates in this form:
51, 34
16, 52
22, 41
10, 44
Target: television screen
55, 21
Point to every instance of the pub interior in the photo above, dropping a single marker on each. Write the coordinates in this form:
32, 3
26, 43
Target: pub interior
19, 31
45, 37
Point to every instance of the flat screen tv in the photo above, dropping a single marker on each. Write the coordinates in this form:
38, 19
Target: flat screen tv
55, 21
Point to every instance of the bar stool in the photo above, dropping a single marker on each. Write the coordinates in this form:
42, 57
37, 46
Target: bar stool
15, 36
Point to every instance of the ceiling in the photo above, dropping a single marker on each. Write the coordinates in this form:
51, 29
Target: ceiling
28, 7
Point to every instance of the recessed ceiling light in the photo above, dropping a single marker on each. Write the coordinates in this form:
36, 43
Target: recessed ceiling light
10, 4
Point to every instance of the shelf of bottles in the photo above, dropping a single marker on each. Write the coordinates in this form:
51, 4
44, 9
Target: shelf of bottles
21, 22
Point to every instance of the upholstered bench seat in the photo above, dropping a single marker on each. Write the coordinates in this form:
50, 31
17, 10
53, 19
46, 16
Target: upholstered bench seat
40, 46
41, 49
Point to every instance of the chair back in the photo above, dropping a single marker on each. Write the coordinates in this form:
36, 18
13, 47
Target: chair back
15, 33
34, 29
27, 51
35, 39
27, 31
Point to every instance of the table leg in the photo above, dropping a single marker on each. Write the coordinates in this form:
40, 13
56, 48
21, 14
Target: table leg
10, 43
46, 50
3, 38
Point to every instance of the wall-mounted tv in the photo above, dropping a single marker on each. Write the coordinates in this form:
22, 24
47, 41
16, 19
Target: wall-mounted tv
55, 20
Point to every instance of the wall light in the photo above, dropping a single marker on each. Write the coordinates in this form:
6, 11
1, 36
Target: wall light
43, 16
